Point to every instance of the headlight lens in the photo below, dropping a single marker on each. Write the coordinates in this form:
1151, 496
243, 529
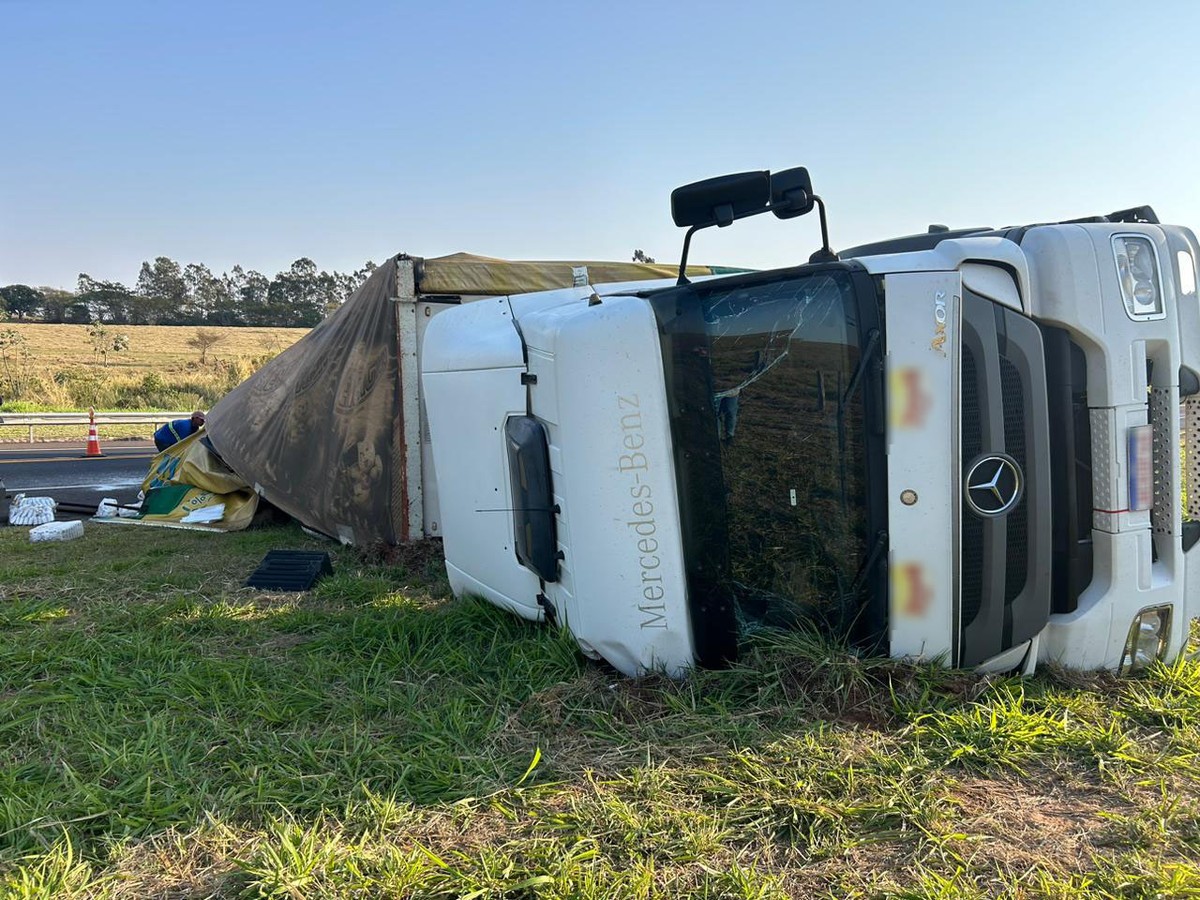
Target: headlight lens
1148, 637
1137, 270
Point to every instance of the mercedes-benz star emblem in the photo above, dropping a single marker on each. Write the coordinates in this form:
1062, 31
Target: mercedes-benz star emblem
994, 485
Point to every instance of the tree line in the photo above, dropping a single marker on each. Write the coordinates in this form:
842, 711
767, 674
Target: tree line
167, 293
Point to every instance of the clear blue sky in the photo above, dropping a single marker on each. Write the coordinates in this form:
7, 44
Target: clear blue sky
259, 132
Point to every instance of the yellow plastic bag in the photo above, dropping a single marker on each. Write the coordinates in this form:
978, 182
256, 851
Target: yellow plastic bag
188, 478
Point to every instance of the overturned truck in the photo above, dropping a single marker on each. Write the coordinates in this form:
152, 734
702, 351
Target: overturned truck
980, 447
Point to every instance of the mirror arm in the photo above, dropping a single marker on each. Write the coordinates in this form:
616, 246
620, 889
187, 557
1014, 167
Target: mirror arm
687, 243
723, 221
825, 254
822, 255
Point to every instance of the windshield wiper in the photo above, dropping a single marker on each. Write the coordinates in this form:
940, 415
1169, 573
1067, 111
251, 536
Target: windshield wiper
868, 354
876, 554
850, 611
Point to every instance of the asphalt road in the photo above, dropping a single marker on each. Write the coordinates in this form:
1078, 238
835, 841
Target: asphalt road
60, 470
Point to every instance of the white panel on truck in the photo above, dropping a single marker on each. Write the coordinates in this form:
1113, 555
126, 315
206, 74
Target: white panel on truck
600, 393
426, 309
471, 387
923, 328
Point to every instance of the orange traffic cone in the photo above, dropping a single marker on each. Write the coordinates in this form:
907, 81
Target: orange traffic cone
93, 443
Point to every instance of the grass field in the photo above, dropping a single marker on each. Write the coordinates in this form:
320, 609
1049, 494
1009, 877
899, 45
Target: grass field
151, 347
166, 733
55, 368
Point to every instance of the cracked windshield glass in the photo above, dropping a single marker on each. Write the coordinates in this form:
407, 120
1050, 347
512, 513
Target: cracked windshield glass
784, 448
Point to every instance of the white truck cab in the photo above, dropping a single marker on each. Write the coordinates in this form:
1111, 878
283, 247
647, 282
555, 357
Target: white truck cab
970, 447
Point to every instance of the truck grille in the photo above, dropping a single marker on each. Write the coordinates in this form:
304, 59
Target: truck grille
972, 526
1191, 450
1017, 521
1166, 496
1004, 578
1071, 461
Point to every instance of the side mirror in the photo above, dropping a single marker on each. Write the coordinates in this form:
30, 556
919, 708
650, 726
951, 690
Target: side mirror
718, 201
791, 193
721, 201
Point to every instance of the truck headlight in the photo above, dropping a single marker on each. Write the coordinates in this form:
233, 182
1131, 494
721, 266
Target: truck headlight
1147, 639
1137, 271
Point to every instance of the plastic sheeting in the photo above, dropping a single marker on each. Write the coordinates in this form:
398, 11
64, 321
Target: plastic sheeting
188, 487
31, 510
56, 531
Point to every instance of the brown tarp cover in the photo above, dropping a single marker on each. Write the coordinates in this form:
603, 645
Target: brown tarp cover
464, 273
316, 430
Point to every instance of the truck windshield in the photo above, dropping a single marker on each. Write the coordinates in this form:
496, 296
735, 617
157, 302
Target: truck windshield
770, 444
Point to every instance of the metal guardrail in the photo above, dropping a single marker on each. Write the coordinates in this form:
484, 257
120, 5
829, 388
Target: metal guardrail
36, 420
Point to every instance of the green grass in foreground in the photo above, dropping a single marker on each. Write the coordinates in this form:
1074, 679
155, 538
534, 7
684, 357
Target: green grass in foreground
166, 733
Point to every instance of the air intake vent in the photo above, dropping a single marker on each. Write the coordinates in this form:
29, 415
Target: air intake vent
1192, 456
1017, 521
972, 526
972, 422
1166, 497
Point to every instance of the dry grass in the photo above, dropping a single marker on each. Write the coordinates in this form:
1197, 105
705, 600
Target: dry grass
158, 348
54, 368
1042, 820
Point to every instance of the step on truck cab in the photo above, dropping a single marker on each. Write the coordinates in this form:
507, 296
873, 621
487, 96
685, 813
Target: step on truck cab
979, 447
